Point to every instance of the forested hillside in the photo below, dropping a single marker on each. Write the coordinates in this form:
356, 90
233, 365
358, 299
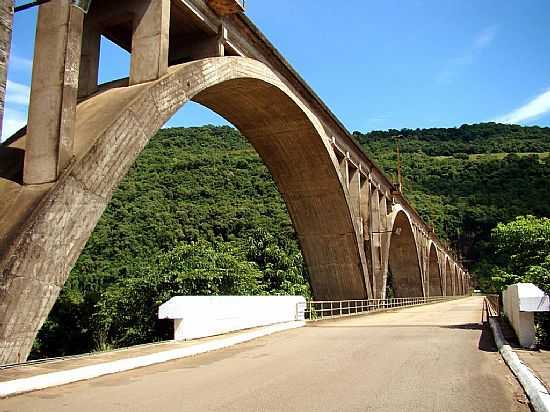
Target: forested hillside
199, 214
495, 173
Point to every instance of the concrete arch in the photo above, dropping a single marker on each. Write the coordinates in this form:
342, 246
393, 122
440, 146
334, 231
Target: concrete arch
112, 129
435, 280
456, 286
448, 277
403, 258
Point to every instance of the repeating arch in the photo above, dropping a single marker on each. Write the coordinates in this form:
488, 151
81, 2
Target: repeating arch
435, 280
403, 258
448, 277
461, 282
456, 278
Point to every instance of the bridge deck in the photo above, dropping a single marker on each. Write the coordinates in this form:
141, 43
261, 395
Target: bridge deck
430, 358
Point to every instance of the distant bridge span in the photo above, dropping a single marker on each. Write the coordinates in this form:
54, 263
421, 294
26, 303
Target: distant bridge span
57, 176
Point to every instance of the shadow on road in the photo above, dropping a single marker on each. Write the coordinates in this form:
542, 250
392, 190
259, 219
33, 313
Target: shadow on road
486, 341
465, 326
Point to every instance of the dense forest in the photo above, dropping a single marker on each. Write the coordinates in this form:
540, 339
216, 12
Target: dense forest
199, 214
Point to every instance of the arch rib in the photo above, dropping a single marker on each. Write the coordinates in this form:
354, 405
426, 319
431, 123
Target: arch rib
113, 128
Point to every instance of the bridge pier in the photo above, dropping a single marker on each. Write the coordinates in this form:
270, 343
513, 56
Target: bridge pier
52, 109
377, 241
89, 59
150, 40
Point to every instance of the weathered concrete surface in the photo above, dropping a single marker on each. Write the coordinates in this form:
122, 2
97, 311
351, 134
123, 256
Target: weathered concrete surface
430, 358
52, 109
150, 40
448, 278
112, 128
435, 280
404, 263
6, 22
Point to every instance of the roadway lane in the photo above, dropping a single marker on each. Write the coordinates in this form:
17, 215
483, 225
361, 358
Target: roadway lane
429, 358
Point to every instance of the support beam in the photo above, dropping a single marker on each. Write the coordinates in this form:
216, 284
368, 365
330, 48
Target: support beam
150, 41
376, 242
52, 109
89, 61
364, 218
342, 161
355, 191
6, 22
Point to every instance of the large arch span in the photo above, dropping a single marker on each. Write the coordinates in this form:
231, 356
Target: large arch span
113, 127
403, 263
435, 280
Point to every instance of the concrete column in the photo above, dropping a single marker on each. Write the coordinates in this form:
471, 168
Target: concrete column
376, 245
89, 60
355, 191
150, 41
364, 199
385, 236
52, 109
344, 169
6, 22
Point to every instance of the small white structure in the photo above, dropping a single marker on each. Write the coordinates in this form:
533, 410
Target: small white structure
521, 300
200, 316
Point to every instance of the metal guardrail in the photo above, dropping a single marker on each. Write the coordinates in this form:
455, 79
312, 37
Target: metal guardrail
491, 307
327, 309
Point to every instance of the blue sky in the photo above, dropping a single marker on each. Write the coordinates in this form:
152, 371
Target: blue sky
379, 64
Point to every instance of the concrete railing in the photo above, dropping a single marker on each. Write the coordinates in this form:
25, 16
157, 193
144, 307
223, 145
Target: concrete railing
337, 308
520, 302
201, 316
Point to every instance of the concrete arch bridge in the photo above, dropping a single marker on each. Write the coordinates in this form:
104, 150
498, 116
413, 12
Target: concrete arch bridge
57, 175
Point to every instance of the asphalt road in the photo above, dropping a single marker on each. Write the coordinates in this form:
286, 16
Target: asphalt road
429, 358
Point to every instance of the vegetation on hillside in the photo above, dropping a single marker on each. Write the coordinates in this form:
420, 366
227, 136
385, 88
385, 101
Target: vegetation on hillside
200, 214
464, 197
197, 214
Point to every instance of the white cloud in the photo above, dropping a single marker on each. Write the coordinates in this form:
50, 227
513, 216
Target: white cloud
486, 37
13, 121
17, 93
453, 66
15, 109
535, 108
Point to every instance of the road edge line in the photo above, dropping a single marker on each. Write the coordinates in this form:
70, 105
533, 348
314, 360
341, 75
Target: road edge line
49, 380
534, 388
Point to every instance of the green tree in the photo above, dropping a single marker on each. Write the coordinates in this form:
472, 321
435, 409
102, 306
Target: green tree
127, 312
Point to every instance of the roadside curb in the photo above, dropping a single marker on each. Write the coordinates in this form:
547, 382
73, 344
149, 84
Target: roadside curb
533, 387
48, 380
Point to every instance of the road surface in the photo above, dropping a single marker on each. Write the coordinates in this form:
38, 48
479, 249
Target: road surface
429, 358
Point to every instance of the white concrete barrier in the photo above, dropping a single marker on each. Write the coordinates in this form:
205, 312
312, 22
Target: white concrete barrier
200, 316
520, 301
